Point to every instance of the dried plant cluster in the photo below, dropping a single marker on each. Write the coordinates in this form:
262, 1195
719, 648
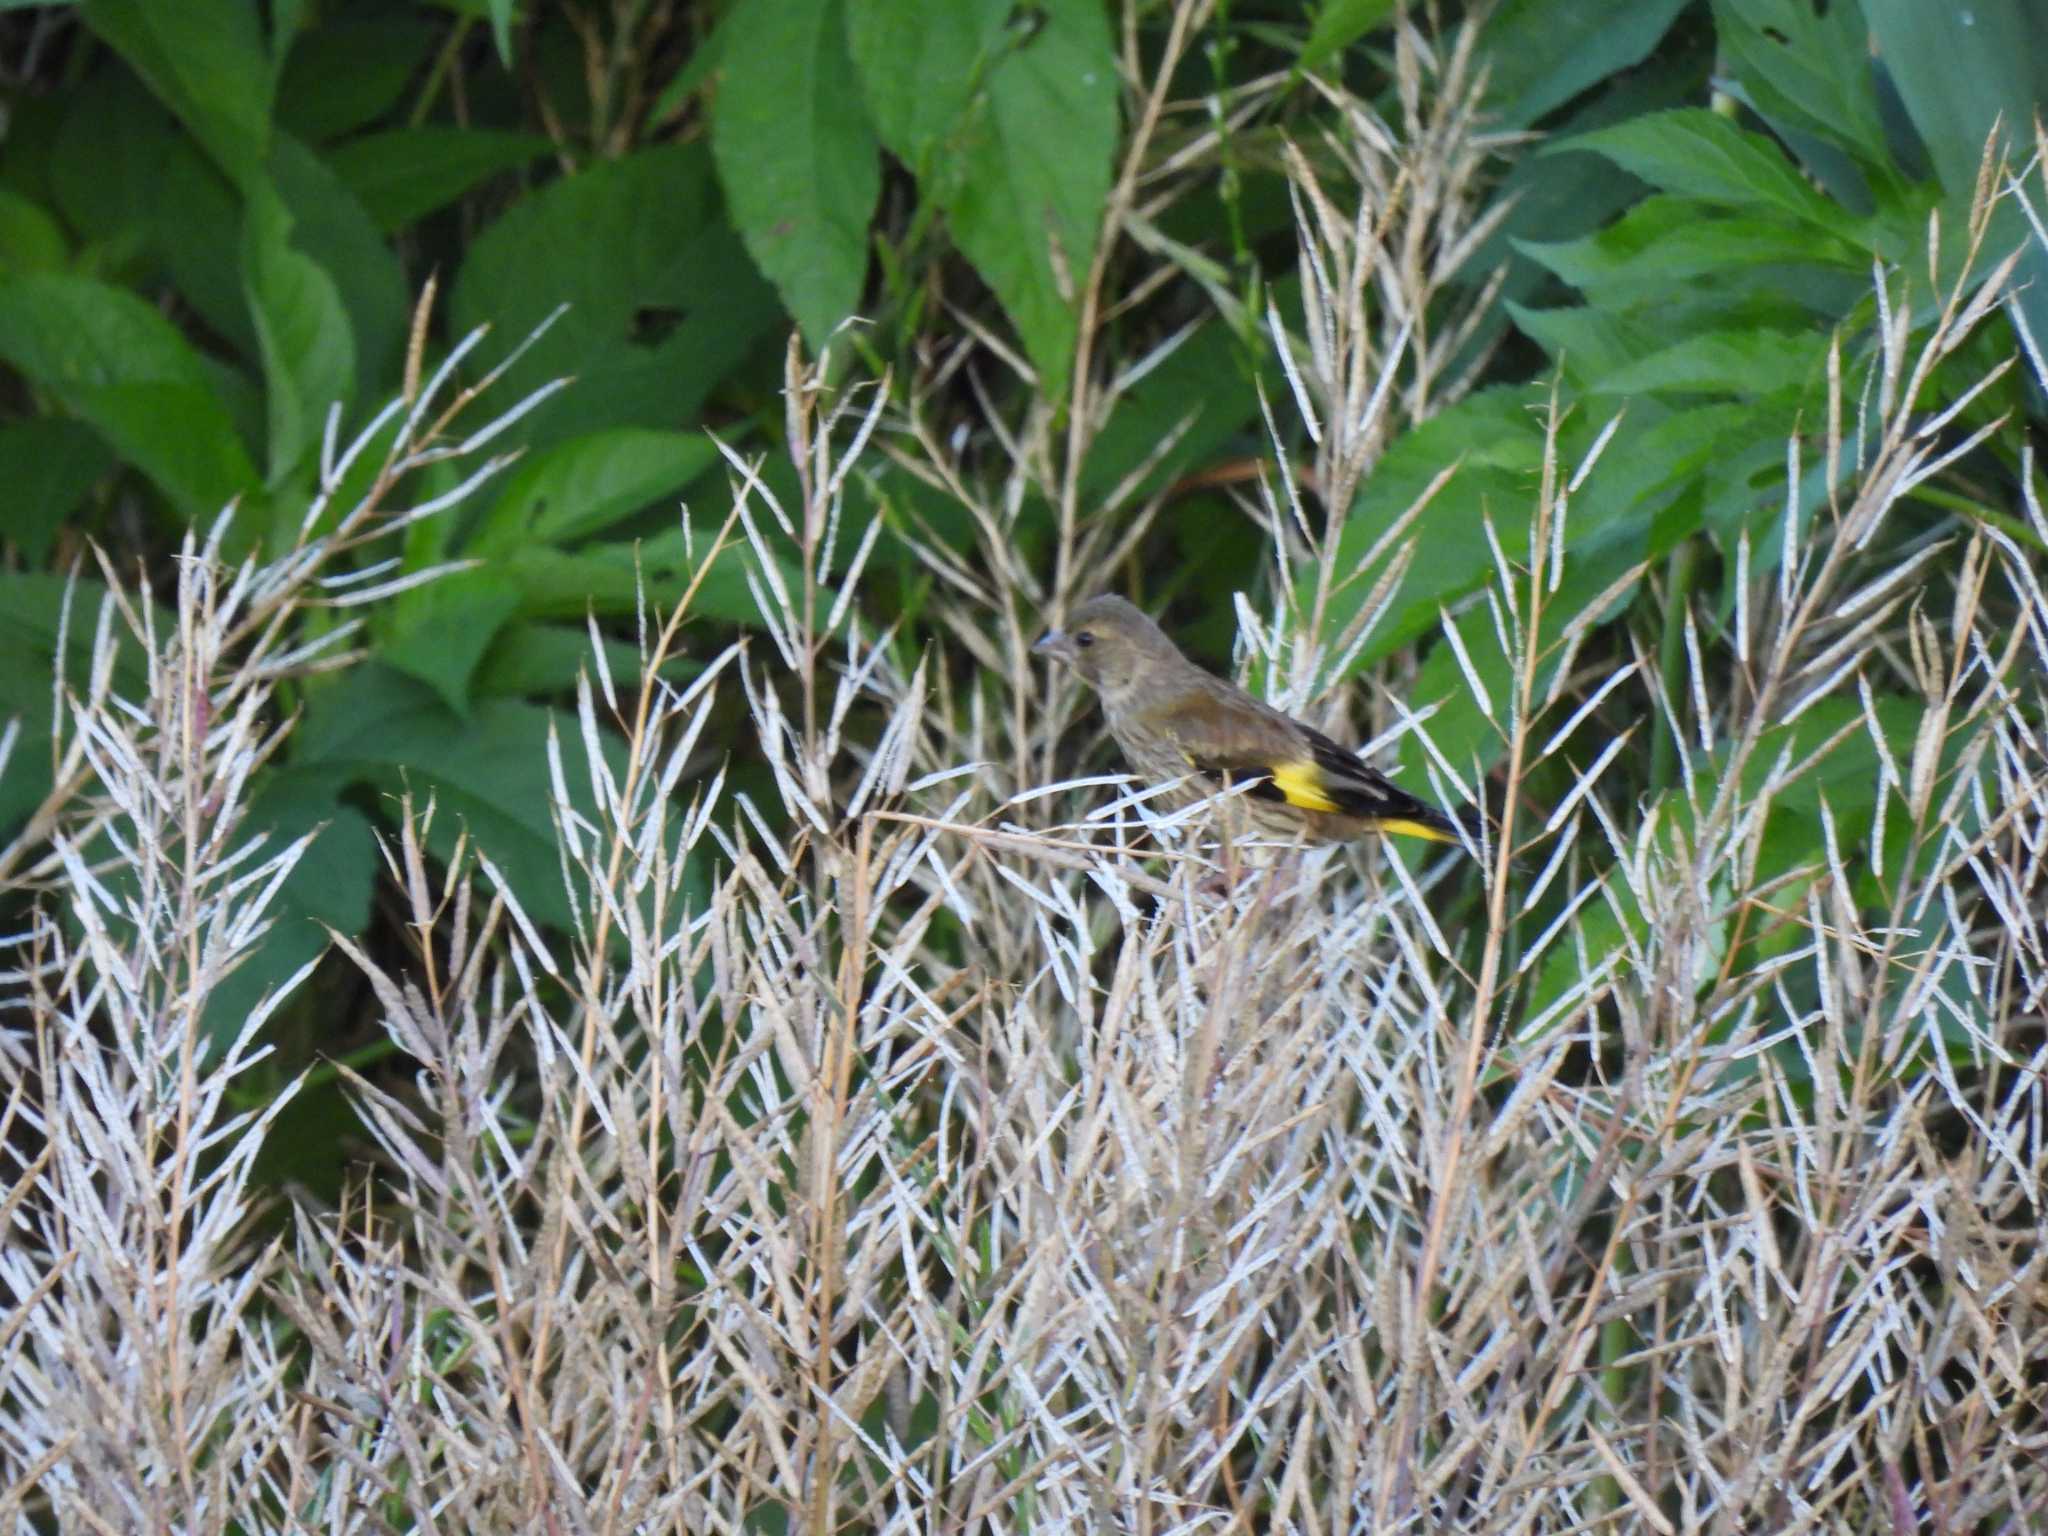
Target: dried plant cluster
945, 1148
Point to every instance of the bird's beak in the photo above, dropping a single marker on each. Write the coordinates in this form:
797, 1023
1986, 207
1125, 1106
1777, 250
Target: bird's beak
1054, 643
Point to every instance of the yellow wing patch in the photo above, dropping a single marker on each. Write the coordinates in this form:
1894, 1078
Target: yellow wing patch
1302, 784
1415, 829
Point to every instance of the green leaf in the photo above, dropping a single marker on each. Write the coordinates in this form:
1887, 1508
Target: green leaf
1960, 69
527, 659
1541, 54
1564, 196
1587, 342
30, 239
1807, 70
106, 162
1599, 931
115, 361
1701, 154
31, 605
1493, 439
194, 222
487, 772
47, 464
920, 63
1663, 242
405, 174
663, 300
308, 352
1036, 170
797, 157
440, 631
1339, 24
330, 227
1210, 378
611, 578
1745, 362
351, 69
1640, 500
330, 887
586, 485
206, 61
1463, 727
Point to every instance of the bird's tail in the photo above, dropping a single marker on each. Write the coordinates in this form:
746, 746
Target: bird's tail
1434, 826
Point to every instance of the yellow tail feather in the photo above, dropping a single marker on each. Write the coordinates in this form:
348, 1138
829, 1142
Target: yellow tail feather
1421, 829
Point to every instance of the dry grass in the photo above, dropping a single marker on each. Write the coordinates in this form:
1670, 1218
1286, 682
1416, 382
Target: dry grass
943, 1150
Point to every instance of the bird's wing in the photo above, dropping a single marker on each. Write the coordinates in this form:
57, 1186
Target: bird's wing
1228, 735
1355, 788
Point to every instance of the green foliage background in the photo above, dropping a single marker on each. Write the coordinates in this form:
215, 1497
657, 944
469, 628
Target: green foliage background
215, 216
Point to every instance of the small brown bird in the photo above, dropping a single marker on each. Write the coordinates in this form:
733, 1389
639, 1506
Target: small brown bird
1175, 721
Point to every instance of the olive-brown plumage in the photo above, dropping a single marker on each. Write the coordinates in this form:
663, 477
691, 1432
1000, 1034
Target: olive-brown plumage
1174, 721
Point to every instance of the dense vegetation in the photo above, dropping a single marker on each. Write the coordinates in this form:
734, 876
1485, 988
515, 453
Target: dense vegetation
569, 970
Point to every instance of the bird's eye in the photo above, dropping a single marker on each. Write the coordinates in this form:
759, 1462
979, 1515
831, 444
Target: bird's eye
1084, 639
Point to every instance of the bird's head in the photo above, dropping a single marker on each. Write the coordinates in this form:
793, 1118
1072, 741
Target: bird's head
1110, 644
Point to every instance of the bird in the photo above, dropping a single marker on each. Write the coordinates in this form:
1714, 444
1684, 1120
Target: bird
1174, 721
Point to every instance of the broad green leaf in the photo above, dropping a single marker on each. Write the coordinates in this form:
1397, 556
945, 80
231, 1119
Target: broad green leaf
106, 163
194, 222
1465, 728
287, 20
31, 608
351, 69
612, 578
405, 174
584, 486
30, 239
1037, 144
662, 298
47, 464
528, 660
181, 438
330, 887
1960, 70
1494, 440
799, 162
330, 226
1563, 196
116, 362
1541, 54
308, 353
206, 61
439, 632
1807, 69
1745, 362
920, 63
1210, 378
1700, 154
1339, 24
487, 772
1792, 838
1663, 242
1642, 497
1638, 502
1587, 342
